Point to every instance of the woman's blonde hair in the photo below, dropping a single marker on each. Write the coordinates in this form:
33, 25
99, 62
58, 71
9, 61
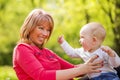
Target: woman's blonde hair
35, 18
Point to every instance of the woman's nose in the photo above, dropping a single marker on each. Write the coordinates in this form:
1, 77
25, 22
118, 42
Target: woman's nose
45, 32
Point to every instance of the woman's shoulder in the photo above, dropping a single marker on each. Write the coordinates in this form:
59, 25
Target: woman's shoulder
23, 46
46, 49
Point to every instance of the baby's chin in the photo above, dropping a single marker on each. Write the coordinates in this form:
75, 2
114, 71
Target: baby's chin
85, 50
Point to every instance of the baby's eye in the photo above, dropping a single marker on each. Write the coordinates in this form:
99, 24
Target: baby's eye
81, 37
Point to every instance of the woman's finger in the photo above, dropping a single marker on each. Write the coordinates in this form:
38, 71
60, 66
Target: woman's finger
100, 62
96, 71
92, 59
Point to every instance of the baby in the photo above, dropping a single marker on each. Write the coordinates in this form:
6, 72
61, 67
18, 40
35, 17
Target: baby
92, 36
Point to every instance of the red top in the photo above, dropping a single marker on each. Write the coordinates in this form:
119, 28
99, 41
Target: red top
32, 63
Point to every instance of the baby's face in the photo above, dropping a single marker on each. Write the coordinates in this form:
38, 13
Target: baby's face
86, 40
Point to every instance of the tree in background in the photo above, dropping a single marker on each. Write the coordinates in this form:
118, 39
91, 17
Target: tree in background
116, 28
69, 17
113, 12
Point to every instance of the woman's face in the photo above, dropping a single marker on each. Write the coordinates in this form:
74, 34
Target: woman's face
40, 34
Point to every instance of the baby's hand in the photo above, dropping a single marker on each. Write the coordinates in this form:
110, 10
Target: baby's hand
109, 51
60, 39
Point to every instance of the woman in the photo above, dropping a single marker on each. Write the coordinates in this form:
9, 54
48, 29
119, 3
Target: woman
32, 61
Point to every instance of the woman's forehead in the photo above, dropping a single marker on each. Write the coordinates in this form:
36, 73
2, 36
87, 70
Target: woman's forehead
43, 22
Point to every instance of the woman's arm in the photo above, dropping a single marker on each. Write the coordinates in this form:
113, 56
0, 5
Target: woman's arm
35, 70
88, 67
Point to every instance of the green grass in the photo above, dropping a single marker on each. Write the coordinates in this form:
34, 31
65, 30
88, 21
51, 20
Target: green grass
7, 73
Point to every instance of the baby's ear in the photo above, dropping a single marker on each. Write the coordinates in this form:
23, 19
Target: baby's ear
94, 39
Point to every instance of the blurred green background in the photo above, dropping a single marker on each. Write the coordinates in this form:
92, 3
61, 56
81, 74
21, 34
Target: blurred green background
69, 16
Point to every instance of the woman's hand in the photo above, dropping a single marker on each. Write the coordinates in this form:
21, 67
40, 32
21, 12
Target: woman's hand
90, 66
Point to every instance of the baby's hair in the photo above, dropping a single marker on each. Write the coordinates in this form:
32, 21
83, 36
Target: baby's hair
97, 30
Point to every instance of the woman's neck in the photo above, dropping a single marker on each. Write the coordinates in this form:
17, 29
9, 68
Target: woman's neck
39, 46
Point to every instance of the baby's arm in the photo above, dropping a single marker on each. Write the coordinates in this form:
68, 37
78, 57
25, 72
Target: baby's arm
114, 58
66, 47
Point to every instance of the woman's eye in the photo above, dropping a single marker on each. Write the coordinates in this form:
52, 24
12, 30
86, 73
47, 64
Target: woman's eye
40, 27
48, 30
